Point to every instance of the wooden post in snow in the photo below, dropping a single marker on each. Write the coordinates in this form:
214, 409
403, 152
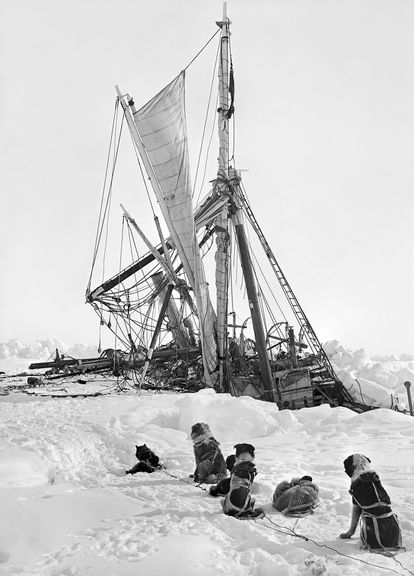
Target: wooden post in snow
407, 384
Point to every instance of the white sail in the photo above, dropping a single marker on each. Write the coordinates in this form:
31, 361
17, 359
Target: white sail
162, 127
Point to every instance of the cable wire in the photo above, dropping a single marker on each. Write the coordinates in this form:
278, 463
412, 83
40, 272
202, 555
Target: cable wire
199, 52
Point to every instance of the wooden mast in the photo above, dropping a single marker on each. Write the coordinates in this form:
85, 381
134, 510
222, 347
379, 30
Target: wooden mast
259, 333
223, 123
222, 188
231, 179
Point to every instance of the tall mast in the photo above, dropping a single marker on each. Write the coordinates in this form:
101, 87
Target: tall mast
222, 188
223, 122
228, 183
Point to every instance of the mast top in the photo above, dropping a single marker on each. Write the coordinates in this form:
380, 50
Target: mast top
225, 19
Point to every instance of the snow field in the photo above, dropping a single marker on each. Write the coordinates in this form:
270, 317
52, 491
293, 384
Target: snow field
75, 512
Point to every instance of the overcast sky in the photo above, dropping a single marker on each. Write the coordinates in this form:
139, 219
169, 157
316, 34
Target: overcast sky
325, 132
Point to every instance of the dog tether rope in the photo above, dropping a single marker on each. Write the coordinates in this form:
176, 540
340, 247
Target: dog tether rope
289, 531
161, 468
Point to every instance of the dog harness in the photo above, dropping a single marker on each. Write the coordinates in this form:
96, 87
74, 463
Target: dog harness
241, 480
379, 525
229, 507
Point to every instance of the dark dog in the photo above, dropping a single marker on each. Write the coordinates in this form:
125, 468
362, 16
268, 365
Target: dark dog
148, 461
210, 465
223, 486
238, 502
380, 530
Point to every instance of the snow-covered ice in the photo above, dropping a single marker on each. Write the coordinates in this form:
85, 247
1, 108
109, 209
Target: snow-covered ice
68, 509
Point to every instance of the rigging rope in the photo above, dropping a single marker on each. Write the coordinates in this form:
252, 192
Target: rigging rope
97, 238
138, 157
120, 268
108, 202
199, 52
266, 282
261, 298
262, 273
205, 125
207, 152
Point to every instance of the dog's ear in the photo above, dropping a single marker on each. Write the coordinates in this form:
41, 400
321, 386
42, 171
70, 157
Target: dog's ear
230, 462
367, 459
243, 447
349, 465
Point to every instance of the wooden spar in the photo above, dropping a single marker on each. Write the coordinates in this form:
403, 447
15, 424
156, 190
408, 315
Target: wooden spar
222, 219
175, 319
133, 268
164, 262
292, 346
136, 137
259, 333
163, 242
126, 273
156, 332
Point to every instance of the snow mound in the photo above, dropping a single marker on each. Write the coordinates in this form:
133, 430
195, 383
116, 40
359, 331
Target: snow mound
21, 468
228, 417
371, 380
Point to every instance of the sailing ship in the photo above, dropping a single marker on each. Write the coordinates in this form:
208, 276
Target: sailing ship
172, 325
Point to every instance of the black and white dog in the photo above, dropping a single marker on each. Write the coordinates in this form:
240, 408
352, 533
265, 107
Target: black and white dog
380, 530
238, 501
147, 460
223, 486
210, 465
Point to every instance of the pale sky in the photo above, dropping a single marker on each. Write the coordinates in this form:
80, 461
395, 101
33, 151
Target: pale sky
325, 132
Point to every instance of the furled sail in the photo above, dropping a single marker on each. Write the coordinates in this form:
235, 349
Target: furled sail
162, 127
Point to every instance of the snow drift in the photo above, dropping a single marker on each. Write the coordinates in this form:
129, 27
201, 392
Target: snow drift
67, 507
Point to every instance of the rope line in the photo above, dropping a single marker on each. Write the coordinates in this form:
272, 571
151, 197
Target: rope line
402, 565
98, 231
163, 469
205, 127
199, 52
207, 153
291, 531
108, 202
143, 176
